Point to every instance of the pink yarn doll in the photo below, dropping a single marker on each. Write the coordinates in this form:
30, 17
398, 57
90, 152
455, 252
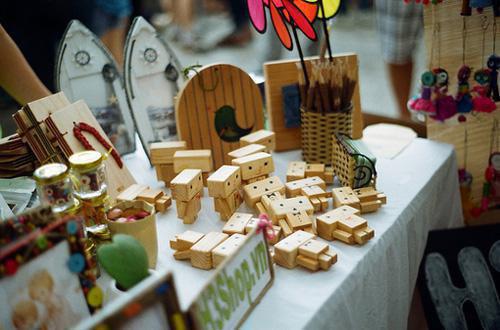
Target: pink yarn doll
424, 103
481, 102
446, 106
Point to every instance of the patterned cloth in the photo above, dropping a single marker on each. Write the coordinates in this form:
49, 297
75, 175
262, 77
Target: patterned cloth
400, 26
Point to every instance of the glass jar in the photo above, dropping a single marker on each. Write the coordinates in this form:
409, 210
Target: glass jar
54, 186
93, 211
88, 171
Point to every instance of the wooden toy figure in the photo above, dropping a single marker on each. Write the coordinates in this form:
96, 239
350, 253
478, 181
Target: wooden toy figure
201, 159
464, 98
254, 167
481, 101
186, 188
224, 186
494, 65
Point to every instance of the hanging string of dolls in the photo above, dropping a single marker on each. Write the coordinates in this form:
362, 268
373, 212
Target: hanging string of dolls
434, 100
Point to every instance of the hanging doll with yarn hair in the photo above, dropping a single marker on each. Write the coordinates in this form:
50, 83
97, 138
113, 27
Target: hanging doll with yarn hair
464, 97
481, 101
445, 104
424, 103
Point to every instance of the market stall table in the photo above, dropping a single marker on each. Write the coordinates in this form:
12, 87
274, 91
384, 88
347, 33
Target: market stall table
370, 286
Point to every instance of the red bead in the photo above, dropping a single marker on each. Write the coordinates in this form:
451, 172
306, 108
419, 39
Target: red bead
11, 267
462, 119
489, 173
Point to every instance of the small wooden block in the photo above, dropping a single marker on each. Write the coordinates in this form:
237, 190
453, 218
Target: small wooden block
246, 151
254, 165
130, 193
345, 196
293, 188
192, 209
279, 208
298, 220
174, 245
296, 171
162, 204
312, 249
227, 206
255, 179
372, 206
329, 176
237, 223
324, 203
343, 236
311, 264
186, 184
277, 235
361, 237
193, 159
286, 250
382, 198
316, 204
227, 248
261, 208
201, 252
313, 192
251, 225
315, 170
327, 259
224, 181
351, 223
366, 194
187, 239
182, 254
253, 192
327, 223
267, 199
163, 152
165, 173
310, 230
150, 195
263, 137
287, 231
369, 231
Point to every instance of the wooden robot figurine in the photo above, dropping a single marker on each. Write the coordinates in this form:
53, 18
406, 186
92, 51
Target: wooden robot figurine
186, 190
224, 186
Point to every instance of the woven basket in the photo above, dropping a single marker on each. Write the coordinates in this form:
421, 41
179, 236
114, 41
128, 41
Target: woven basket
346, 170
317, 130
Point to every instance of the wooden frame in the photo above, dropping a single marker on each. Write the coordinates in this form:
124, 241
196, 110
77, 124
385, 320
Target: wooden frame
157, 288
255, 243
284, 72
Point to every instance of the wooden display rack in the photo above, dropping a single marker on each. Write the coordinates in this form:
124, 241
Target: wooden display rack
450, 39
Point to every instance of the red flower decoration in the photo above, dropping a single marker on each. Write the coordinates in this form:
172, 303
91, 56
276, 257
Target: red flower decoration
299, 13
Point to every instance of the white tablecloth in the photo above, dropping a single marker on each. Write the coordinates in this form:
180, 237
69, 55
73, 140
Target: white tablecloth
371, 285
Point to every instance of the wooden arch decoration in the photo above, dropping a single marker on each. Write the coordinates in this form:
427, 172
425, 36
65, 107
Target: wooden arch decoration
217, 106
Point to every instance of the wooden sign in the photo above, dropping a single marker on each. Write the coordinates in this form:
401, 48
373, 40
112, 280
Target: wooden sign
459, 278
279, 74
237, 286
219, 105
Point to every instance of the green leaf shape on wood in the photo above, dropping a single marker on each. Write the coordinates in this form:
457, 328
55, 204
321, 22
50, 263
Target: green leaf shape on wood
125, 260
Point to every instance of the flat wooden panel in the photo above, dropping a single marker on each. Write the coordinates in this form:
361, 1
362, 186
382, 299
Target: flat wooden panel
281, 73
206, 92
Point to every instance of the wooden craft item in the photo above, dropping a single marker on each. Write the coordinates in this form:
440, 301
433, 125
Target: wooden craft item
201, 251
315, 170
255, 165
267, 199
200, 159
296, 171
186, 188
345, 196
218, 105
150, 195
165, 173
163, 152
61, 124
227, 248
262, 137
237, 223
252, 193
85, 70
284, 72
228, 205
131, 192
246, 151
280, 208
224, 181
345, 225
152, 75
293, 188
298, 220
163, 203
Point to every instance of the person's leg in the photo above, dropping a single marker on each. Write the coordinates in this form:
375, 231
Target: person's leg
114, 40
399, 26
242, 32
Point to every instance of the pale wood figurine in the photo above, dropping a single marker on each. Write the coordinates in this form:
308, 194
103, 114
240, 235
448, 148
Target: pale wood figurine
300, 248
254, 167
344, 224
263, 137
293, 188
186, 189
365, 199
252, 193
156, 197
224, 186
246, 151
200, 159
162, 158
